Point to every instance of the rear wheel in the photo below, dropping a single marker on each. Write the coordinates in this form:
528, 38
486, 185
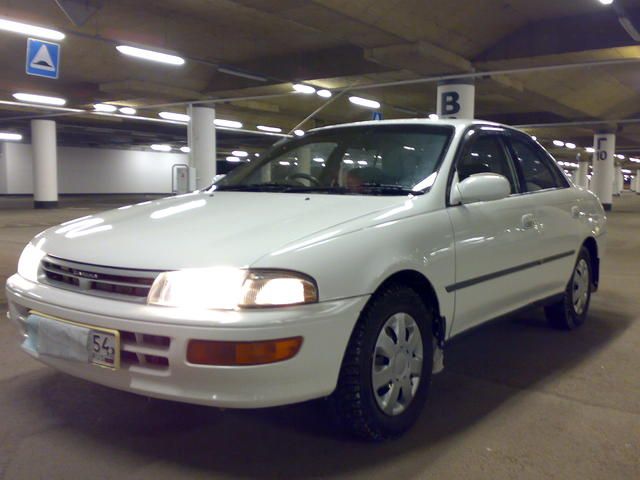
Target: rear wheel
571, 311
386, 372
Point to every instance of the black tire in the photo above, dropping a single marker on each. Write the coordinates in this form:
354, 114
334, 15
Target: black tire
564, 315
355, 402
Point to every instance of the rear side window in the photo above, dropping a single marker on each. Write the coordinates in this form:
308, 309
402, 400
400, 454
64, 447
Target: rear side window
535, 165
485, 154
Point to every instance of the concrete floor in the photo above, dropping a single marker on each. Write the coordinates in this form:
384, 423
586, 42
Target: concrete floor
517, 400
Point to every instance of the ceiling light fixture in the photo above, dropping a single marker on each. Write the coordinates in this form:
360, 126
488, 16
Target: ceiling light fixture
558, 143
178, 117
185, 149
302, 88
570, 146
128, 110
233, 159
364, 102
160, 147
324, 93
150, 55
606, 2
239, 153
265, 128
220, 122
26, 29
298, 132
104, 107
10, 136
29, 97
590, 150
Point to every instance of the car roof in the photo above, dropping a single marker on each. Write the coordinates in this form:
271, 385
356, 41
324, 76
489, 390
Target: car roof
458, 123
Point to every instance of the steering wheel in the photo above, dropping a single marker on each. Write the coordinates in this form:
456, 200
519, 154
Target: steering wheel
313, 180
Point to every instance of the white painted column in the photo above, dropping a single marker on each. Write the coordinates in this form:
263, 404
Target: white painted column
45, 163
617, 188
581, 173
202, 141
603, 167
456, 99
638, 182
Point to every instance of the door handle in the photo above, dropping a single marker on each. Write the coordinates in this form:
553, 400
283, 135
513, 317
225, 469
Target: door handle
528, 221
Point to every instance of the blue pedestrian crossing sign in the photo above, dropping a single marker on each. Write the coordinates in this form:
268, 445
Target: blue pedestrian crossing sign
377, 116
43, 58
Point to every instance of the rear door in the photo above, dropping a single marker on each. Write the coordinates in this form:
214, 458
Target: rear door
556, 209
497, 243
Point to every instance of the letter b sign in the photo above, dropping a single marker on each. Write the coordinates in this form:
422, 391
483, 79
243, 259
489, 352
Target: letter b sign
450, 103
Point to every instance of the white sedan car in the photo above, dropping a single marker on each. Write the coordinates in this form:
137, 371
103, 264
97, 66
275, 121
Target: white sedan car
338, 264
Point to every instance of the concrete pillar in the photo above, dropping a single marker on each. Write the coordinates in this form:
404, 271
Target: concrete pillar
456, 99
617, 183
603, 167
581, 174
638, 182
201, 136
45, 163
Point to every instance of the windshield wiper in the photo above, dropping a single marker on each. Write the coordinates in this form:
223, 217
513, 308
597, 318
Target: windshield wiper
387, 189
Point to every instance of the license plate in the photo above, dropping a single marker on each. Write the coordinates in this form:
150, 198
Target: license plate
75, 341
103, 347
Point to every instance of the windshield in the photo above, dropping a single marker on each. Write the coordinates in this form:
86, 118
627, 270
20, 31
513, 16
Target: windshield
365, 160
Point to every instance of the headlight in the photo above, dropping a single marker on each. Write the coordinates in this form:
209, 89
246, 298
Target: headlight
230, 288
29, 262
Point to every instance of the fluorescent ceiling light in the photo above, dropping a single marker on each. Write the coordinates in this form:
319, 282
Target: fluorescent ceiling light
26, 29
364, 102
178, 117
128, 110
159, 147
284, 164
407, 147
264, 128
319, 159
104, 107
185, 149
150, 55
29, 97
433, 116
239, 153
221, 122
10, 136
302, 88
233, 159
324, 93
558, 143
570, 145
256, 154
298, 132
606, 2
362, 162
621, 157
590, 149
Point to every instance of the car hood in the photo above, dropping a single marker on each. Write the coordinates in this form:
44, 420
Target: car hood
202, 229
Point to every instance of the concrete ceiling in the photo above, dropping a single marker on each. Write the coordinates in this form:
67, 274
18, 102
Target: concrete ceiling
331, 44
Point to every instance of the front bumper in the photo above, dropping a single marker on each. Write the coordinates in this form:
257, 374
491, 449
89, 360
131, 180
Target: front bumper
158, 368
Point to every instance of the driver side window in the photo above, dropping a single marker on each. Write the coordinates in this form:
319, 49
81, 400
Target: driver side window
485, 154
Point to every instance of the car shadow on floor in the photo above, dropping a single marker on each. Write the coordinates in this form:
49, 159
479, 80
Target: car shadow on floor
485, 368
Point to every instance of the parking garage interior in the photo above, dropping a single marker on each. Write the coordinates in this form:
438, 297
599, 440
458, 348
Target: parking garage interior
96, 127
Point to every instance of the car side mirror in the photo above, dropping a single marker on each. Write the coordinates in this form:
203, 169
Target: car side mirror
480, 187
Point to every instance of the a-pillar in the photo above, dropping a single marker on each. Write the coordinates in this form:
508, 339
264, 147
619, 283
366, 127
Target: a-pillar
202, 142
456, 99
603, 167
45, 163
581, 173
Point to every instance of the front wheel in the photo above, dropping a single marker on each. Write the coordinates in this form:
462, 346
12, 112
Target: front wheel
386, 372
571, 311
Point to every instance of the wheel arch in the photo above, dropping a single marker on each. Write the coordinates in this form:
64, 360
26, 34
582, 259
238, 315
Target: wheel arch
592, 247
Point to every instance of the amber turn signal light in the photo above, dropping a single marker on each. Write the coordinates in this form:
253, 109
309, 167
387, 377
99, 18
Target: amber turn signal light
213, 352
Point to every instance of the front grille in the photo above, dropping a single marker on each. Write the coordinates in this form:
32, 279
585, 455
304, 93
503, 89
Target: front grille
124, 284
144, 353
